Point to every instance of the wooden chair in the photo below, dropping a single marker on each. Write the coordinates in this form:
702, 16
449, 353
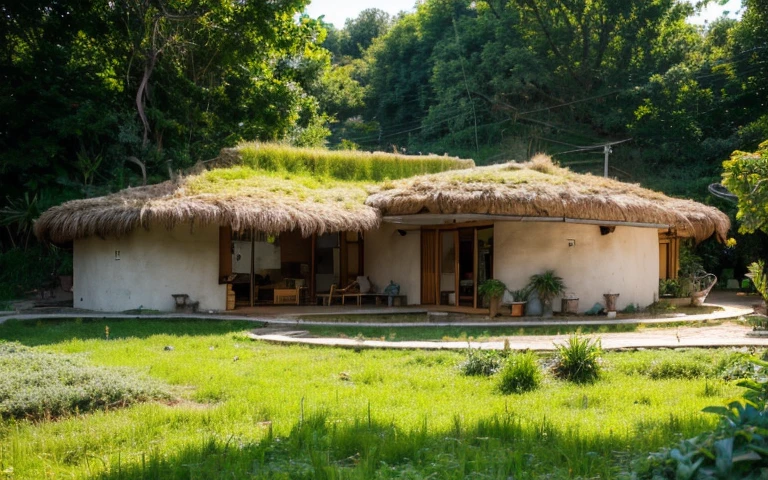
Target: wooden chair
337, 293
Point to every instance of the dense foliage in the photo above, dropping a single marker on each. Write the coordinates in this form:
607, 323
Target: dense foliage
737, 448
99, 96
502, 80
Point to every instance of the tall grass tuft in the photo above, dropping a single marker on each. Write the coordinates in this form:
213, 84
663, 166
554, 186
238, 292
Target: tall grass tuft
520, 374
344, 164
578, 360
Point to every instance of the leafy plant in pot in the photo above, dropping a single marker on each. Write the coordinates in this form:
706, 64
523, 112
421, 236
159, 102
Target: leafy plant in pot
519, 299
492, 290
547, 286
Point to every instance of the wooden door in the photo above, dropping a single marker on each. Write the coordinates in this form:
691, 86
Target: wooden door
429, 271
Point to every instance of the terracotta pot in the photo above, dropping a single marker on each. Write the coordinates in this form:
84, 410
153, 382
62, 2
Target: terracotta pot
517, 308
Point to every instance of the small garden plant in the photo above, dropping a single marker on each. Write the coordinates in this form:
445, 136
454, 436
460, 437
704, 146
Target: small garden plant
547, 285
481, 362
578, 360
520, 374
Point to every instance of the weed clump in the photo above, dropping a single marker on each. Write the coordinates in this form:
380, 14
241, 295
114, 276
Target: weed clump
36, 385
520, 374
682, 368
481, 362
578, 360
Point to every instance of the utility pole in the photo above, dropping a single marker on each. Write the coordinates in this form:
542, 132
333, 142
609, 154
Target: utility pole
607, 150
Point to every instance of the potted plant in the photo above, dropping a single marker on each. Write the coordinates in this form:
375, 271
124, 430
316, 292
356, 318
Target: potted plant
519, 299
547, 285
492, 290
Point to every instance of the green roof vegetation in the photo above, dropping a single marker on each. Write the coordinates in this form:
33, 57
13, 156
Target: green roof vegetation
344, 164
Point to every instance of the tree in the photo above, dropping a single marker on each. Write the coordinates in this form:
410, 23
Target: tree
746, 176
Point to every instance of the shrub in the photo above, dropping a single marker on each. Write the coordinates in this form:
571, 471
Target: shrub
736, 448
578, 360
481, 362
520, 374
36, 385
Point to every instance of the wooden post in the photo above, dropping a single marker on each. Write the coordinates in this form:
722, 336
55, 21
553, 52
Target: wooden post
312, 291
253, 251
475, 254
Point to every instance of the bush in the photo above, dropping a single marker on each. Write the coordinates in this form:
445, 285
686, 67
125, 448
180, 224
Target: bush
35, 385
736, 448
520, 374
578, 360
25, 270
481, 362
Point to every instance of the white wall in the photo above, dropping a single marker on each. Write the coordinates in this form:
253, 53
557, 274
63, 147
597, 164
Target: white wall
390, 256
624, 262
153, 265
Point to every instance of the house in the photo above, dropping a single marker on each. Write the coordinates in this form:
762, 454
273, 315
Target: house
264, 221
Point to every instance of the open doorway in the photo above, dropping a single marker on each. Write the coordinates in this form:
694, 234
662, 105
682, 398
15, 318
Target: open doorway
262, 269
454, 262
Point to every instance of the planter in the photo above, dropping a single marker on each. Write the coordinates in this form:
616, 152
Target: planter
493, 306
546, 309
678, 301
697, 298
533, 306
610, 301
570, 305
517, 308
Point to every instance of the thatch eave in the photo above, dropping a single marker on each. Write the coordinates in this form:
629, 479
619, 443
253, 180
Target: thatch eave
540, 190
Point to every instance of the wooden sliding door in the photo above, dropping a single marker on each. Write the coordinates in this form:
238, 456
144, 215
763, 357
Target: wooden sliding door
429, 270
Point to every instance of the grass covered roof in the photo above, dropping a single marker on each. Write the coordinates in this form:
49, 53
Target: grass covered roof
540, 189
268, 187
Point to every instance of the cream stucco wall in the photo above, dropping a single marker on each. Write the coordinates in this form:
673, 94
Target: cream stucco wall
390, 256
624, 262
153, 265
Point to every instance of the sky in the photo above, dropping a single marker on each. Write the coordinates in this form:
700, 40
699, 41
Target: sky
337, 11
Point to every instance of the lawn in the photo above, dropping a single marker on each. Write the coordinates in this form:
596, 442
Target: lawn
482, 333
245, 409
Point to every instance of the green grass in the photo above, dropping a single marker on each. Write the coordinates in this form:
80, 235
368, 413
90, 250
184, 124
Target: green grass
255, 410
344, 165
464, 333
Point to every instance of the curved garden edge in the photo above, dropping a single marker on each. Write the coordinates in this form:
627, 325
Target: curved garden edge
726, 335
727, 312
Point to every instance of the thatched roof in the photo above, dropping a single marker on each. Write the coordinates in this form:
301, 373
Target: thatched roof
540, 189
270, 188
